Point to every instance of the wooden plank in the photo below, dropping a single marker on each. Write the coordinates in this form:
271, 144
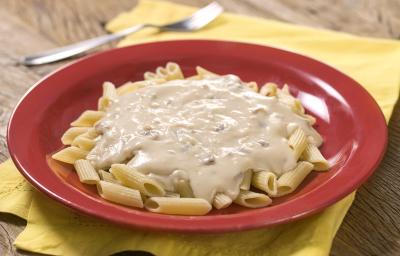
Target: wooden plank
371, 226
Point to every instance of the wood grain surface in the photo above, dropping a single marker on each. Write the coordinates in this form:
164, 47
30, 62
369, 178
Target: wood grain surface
372, 226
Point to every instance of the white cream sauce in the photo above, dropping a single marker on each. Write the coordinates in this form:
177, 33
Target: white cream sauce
207, 131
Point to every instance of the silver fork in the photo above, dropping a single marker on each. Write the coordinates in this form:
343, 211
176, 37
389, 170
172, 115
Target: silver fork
194, 22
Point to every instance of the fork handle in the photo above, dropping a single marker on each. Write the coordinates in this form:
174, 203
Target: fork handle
77, 48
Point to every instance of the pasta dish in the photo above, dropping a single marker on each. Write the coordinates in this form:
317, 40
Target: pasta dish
183, 146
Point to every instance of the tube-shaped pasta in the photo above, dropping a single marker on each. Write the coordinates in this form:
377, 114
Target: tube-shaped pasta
265, 181
286, 98
72, 133
268, 89
88, 118
109, 91
246, 182
91, 133
311, 120
202, 72
106, 176
119, 194
314, 156
109, 94
221, 201
173, 71
84, 142
134, 179
130, 87
150, 76
298, 142
70, 154
251, 199
289, 181
178, 206
183, 188
86, 173
253, 86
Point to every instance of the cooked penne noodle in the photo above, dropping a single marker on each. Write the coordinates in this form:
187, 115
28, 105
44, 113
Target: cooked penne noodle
88, 118
253, 86
106, 176
91, 133
119, 194
221, 201
70, 154
84, 142
86, 173
269, 89
311, 120
285, 90
265, 181
109, 91
202, 72
298, 142
109, 94
178, 206
184, 189
252, 199
246, 182
150, 76
72, 133
134, 179
173, 71
289, 181
314, 156
130, 87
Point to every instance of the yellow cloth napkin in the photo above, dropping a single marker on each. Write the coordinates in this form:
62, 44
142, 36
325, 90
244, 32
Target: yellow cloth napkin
54, 229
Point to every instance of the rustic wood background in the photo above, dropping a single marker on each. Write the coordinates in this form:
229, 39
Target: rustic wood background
372, 226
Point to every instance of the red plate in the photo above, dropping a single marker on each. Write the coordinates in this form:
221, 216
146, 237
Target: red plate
348, 118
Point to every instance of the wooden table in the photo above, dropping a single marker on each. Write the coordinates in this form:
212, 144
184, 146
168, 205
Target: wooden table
372, 226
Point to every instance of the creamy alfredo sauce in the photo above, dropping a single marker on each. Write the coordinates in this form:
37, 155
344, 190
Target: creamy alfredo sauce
207, 131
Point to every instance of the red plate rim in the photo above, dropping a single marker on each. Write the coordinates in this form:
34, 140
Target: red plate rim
220, 223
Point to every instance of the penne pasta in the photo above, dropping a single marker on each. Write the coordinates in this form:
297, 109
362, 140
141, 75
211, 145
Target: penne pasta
86, 173
88, 118
253, 86
252, 199
311, 120
109, 91
130, 87
72, 133
298, 142
131, 178
178, 206
70, 154
184, 189
265, 181
289, 181
313, 155
84, 142
269, 89
246, 182
202, 72
119, 194
221, 201
91, 133
150, 76
173, 71
106, 176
